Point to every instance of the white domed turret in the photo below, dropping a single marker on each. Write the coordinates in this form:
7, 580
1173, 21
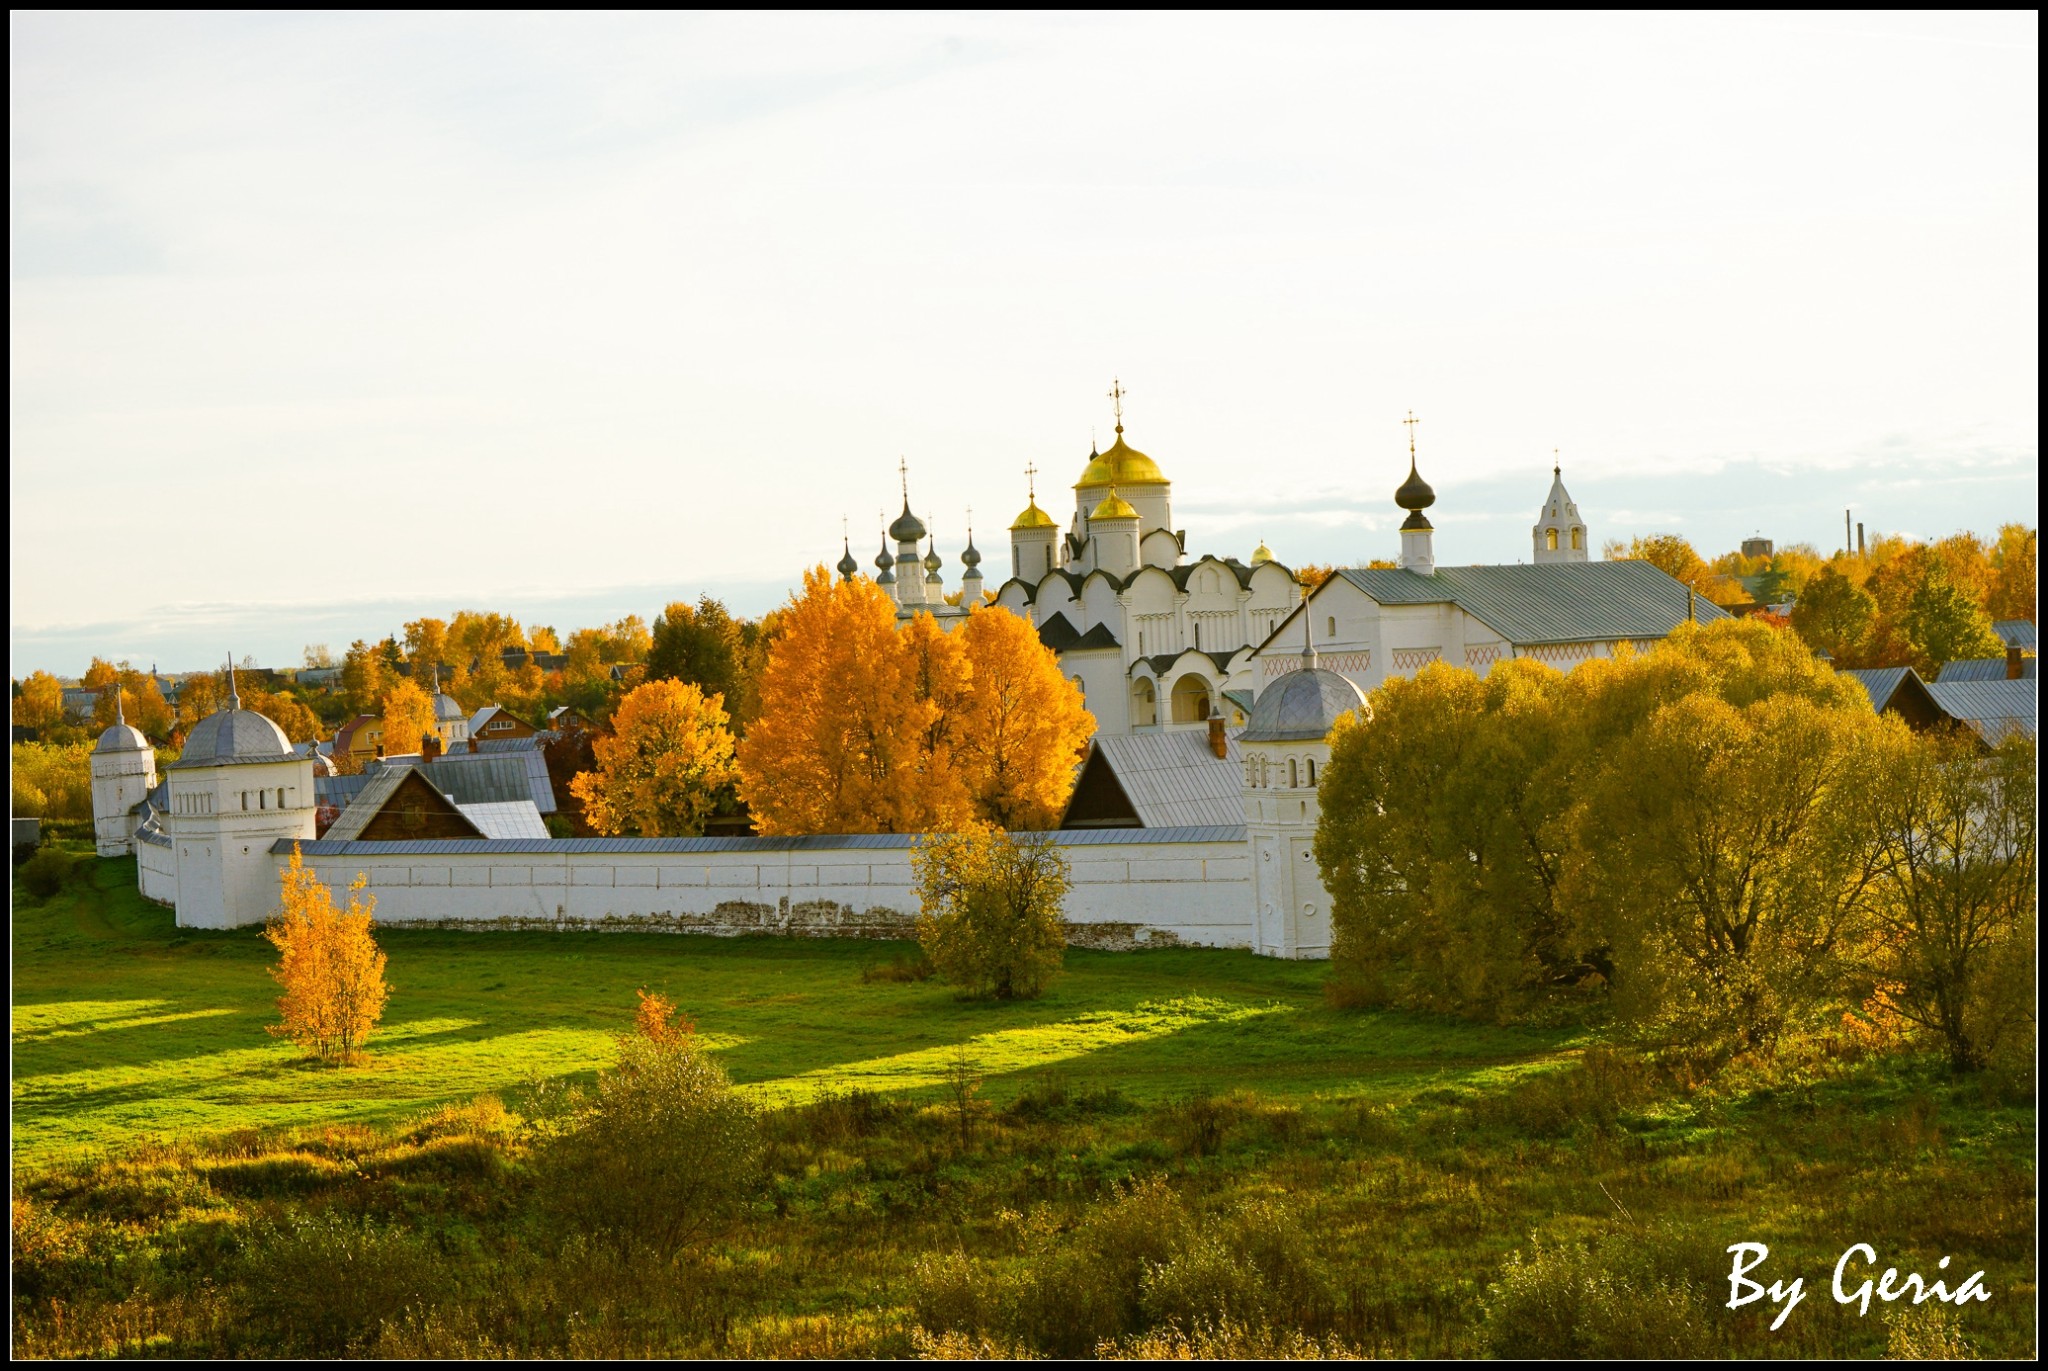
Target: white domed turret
123, 771
451, 721
1560, 534
1285, 749
238, 788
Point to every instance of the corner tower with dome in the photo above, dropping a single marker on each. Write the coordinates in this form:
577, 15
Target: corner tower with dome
1285, 749
123, 774
236, 789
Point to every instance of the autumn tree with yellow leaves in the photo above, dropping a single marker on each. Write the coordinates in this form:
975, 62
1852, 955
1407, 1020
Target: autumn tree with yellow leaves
662, 768
408, 719
1022, 727
329, 965
835, 748
865, 728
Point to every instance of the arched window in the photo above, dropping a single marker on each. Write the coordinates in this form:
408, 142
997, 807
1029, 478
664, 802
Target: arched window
1578, 540
1198, 635
1190, 699
245, 799
1550, 538
263, 799
1311, 771
1081, 686
1332, 634
1293, 773
1144, 704
280, 797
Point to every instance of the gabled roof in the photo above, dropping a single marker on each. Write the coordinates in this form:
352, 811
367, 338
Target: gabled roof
1985, 669
1995, 709
1096, 637
1171, 780
381, 789
1553, 602
1880, 682
1057, 634
2019, 633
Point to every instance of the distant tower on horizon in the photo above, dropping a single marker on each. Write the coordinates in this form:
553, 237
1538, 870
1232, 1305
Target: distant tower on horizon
1560, 534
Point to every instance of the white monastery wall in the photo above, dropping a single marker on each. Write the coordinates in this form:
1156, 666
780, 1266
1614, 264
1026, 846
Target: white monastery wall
1190, 886
157, 865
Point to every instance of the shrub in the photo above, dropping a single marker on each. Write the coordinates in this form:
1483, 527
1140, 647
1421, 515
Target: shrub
990, 909
662, 1154
45, 873
1226, 1341
1627, 1296
320, 1286
903, 967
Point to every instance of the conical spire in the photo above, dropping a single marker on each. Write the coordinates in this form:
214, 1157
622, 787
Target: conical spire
120, 716
234, 699
1308, 639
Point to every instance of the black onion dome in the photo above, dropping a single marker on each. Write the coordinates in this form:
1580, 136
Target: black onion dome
847, 566
970, 557
1414, 492
907, 528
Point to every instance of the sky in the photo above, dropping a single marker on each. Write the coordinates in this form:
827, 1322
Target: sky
321, 323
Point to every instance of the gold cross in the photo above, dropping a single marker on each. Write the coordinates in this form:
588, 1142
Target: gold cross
1116, 393
1411, 421
1031, 481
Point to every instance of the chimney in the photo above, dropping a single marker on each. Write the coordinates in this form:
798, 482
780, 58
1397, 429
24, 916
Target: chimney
1859, 537
430, 747
2014, 667
380, 751
472, 744
1216, 742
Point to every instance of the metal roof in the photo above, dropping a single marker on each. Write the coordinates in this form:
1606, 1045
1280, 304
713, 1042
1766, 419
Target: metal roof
1098, 636
368, 801
470, 778
234, 737
1173, 780
338, 791
2019, 633
506, 819
1880, 683
1994, 708
1551, 602
823, 842
1985, 669
1057, 634
1302, 706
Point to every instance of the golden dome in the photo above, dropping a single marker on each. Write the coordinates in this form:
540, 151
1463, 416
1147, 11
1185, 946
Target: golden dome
1262, 555
1122, 465
1113, 506
1033, 517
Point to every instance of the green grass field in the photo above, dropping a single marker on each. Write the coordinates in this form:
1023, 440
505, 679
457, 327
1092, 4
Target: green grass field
185, 1185
125, 1027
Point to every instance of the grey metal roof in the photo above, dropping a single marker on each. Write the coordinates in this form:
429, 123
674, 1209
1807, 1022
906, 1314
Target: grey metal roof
1162, 662
338, 791
506, 819
487, 778
1173, 780
1994, 708
2019, 633
1880, 683
1986, 669
368, 801
122, 738
1300, 706
446, 707
476, 720
1241, 698
822, 842
530, 756
234, 737
1552, 602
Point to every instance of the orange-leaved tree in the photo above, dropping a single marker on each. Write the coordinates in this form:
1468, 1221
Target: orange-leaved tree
1024, 726
41, 702
939, 676
328, 963
836, 746
661, 768
408, 719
